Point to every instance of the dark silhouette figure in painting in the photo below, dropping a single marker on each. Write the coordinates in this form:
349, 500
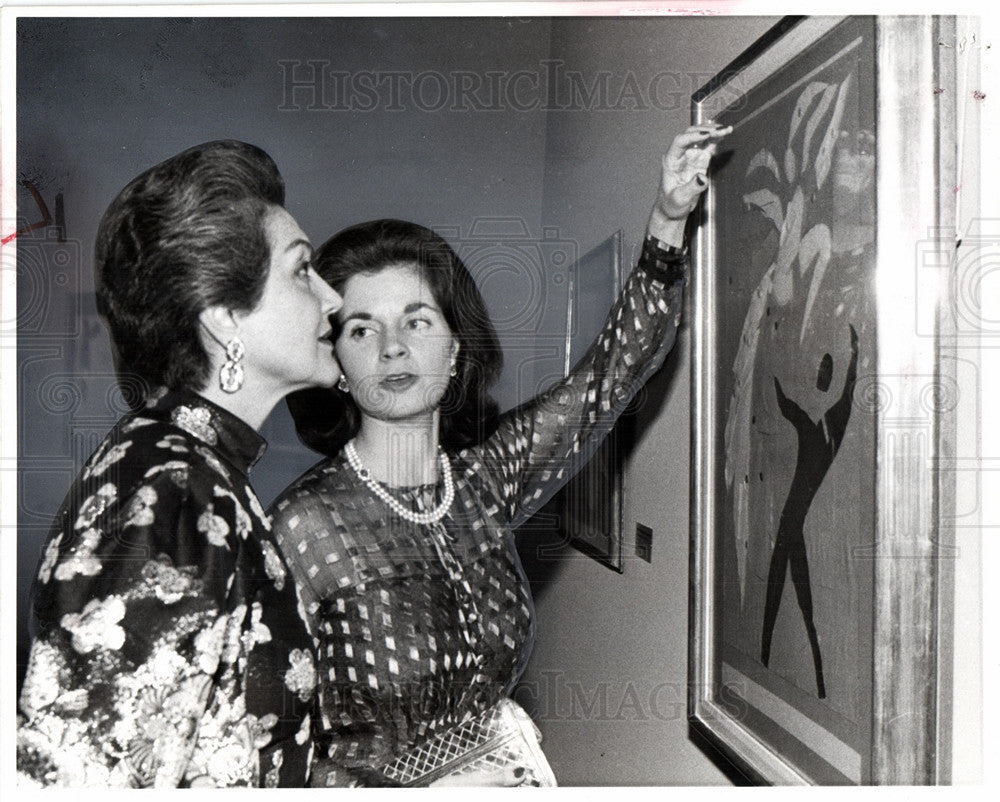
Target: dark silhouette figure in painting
818, 445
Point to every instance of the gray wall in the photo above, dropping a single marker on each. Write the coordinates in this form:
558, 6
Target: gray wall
516, 176
99, 101
609, 668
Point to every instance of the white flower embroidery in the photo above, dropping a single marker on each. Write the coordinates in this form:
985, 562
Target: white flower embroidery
174, 442
155, 396
109, 458
234, 631
258, 510
73, 701
273, 566
303, 734
41, 681
258, 632
196, 421
261, 632
230, 763
169, 583
244, 526
137, 423
177, 469
301, 677
81, 559
140, 509
212, 461
208, 645
49, 560
261, 729
213, 527
166, 666
96, 626
95, 505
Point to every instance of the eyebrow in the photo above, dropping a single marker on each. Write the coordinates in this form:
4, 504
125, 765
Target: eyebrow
411, 307
296, 243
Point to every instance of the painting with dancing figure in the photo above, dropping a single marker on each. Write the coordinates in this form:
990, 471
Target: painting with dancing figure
793, 241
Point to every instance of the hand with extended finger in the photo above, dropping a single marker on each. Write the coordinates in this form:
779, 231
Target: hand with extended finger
685, 168
683, 179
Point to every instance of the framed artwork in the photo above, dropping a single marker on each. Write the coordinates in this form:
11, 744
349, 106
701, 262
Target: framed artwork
590, 507
820, 403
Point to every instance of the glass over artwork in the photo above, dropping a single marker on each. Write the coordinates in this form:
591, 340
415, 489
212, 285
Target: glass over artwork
794, 212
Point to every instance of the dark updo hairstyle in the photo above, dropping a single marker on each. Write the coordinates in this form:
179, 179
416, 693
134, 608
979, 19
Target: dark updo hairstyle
185, 235
327, 418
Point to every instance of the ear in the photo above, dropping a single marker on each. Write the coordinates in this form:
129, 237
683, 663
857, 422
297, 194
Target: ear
219, 323
455, 348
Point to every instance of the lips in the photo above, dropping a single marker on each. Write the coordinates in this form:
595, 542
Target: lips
398, 382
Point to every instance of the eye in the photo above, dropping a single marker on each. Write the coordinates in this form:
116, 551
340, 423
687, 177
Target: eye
304, 269
418, 323
359, 331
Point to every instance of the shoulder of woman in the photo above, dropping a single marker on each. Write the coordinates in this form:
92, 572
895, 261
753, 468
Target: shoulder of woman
148, 475
324, 485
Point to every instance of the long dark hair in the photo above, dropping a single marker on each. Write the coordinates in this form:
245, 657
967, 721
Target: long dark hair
327, 418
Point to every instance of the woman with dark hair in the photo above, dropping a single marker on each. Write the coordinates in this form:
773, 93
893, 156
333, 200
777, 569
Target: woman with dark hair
402, 538
171, 648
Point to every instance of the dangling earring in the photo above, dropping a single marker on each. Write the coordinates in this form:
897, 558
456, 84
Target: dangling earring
342, 385
454, 368
231, 373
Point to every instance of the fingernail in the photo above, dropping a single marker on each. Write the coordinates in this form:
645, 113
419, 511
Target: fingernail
519, 772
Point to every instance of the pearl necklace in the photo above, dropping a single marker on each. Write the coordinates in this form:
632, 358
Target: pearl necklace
423, 518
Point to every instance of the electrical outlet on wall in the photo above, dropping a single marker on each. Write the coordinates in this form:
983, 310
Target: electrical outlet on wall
644, 542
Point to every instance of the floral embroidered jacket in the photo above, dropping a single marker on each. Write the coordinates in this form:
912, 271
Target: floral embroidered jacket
172, 648
420, 627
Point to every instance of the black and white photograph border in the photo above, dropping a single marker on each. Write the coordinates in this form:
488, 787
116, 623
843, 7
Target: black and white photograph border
538, 233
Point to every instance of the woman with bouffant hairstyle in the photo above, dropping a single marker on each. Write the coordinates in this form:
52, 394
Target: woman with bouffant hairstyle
171, 648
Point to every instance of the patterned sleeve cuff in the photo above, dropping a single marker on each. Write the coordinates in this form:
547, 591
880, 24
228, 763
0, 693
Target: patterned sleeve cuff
664, 262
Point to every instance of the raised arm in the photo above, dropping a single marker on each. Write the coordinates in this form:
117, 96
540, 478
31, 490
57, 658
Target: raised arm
838, 415
542, 443
793, 412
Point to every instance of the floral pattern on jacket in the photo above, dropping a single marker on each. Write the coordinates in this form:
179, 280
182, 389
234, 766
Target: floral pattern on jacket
172, 648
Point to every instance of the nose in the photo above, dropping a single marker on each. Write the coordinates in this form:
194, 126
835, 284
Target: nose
328, 297
393, 345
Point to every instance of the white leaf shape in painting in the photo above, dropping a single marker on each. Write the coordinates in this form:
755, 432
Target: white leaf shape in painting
738, 420
798, 115
826, 148
815, 251
788, 248
815, 119
763, 159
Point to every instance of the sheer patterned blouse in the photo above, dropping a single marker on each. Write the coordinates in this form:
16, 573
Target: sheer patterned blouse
172, 646
420, 627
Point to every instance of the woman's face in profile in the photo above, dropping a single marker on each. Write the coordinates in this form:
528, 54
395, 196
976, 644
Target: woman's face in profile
395, 346
286, 334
